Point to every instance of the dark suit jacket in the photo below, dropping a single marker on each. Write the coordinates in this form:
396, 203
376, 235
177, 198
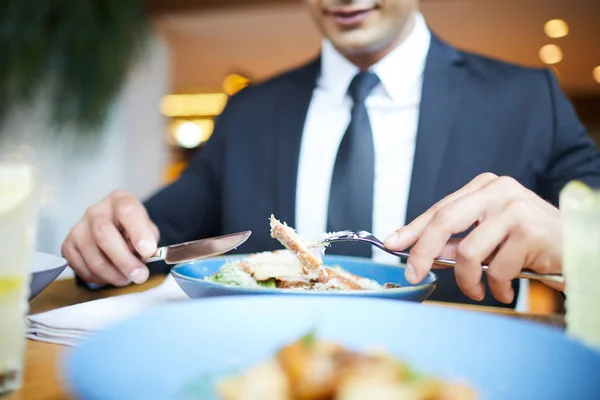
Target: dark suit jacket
477, 115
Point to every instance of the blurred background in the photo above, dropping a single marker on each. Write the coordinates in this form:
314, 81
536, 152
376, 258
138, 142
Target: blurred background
202, 51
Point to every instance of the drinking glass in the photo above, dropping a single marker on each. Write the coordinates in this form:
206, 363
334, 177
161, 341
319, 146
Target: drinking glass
580, 209
19, 198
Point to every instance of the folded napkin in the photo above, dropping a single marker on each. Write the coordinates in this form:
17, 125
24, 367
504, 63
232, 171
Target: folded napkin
69, 325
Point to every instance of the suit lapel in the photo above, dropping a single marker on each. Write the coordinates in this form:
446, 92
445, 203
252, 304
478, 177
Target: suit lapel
442, 83
290, 113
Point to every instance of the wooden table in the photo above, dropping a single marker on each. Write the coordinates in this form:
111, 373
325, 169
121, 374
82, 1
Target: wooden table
42, 361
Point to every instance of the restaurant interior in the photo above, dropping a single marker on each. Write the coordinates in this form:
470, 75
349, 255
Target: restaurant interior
202, 52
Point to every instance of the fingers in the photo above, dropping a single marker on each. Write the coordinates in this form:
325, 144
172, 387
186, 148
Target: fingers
98, 248
512, 228
454, 217
132, 216
75, 261
115, 248
526, 246
95, 260
408, 235
473, 250
499, 239
504, 267
154, 230
449, 250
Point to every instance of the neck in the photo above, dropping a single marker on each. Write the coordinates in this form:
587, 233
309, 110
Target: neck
365, 60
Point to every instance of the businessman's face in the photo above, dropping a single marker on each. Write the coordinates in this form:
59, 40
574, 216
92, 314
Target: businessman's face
357, 27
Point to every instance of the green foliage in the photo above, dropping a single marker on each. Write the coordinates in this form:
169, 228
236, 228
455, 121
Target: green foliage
80, 52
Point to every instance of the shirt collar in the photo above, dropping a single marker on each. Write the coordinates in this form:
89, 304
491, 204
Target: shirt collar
398, 71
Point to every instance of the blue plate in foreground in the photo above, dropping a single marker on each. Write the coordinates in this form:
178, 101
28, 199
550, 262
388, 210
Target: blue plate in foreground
176, 351
190, 277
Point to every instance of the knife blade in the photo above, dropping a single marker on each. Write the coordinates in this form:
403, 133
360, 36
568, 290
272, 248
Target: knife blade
198, 249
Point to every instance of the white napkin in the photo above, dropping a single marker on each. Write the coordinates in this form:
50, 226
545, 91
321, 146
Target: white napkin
69, 325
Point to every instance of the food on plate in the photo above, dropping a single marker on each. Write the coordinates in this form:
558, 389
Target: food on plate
281, 269
299, 266
312, 369
310, 258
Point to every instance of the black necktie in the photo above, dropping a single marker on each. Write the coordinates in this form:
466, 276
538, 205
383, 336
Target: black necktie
352, 183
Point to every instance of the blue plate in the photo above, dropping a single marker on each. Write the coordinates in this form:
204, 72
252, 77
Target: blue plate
176, 351
190, 277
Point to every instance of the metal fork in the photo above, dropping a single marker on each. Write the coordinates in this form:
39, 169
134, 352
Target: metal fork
367, 237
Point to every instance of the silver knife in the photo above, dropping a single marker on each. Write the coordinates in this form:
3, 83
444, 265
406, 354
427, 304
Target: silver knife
197, 249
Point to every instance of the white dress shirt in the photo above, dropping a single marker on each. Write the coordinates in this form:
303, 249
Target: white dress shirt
393, 108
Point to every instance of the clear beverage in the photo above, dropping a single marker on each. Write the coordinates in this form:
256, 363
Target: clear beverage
580, 209
18, 224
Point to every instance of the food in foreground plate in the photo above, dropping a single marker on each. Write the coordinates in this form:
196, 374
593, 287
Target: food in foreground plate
312, 369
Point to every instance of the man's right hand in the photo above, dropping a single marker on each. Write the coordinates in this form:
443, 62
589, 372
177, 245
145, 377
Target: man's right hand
512, 228
105, 247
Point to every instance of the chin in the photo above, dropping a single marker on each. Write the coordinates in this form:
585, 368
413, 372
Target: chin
359, 46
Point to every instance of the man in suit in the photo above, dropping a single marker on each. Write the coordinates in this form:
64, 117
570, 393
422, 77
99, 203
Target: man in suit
385, 122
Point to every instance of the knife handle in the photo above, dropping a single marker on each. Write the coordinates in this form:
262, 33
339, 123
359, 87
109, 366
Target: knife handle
158, 255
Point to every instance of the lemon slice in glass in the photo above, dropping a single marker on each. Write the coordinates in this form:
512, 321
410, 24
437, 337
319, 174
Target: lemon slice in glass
11, 284
16, 186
